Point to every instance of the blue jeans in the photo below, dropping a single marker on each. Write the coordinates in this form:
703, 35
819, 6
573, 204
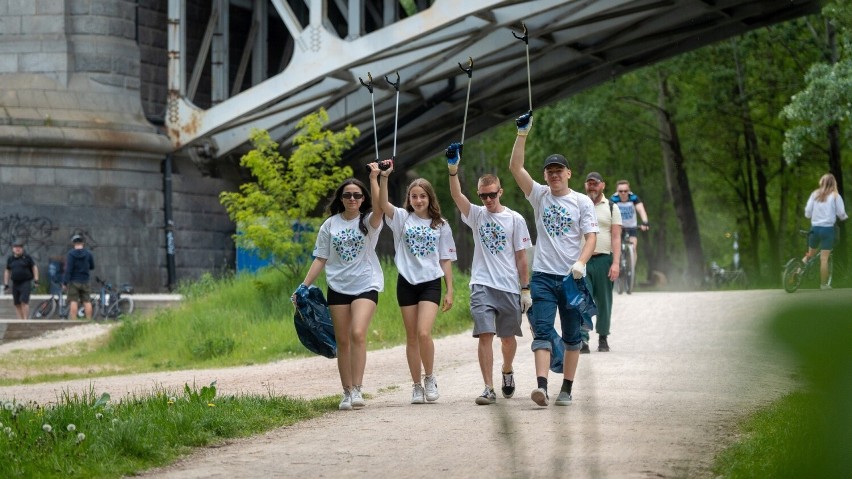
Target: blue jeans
547, 296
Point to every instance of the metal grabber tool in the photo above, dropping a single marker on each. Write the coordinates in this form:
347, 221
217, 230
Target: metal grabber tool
395, 86
526, 40
469, 71
369, 86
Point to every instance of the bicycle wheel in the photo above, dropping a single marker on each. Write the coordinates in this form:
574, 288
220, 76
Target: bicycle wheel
120, 308
629, 277
44, 310
793, 272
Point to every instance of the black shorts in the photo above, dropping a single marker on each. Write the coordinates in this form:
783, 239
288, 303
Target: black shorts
335, 298
408, 294
21, 292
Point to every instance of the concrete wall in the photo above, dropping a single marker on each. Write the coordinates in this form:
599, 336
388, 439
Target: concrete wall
78, 154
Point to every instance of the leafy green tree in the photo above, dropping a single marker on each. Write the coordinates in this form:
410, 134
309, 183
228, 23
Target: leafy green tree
273, 213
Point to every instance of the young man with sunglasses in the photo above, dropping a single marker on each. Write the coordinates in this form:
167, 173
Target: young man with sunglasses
630, 206
563, 219
499, 274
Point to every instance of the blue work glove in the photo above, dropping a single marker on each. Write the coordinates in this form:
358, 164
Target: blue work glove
301, 292
453, 157
524, 123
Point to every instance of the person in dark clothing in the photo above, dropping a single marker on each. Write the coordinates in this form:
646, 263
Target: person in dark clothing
23, 272
76, 280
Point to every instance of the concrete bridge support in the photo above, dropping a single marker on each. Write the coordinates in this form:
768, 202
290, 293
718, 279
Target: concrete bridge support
77, 154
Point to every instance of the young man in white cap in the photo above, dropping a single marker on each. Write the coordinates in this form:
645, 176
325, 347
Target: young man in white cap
563, 219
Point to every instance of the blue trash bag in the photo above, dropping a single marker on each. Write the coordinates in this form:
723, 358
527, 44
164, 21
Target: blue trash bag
579, 297
313, 322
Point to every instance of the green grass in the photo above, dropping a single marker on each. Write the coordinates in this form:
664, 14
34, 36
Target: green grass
806, 433
222, 322
232, 321
91, 437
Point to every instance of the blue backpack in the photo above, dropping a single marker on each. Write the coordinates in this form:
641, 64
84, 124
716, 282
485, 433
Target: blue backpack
313, 323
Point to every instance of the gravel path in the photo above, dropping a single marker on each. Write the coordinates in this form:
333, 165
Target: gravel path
683, 368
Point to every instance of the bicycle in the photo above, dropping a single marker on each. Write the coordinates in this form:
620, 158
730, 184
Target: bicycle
624, 282
110, 304
796, 271
719, 278
56, 306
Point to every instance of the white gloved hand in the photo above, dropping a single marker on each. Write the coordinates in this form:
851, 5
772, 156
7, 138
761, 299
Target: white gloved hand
526, 300
579, 270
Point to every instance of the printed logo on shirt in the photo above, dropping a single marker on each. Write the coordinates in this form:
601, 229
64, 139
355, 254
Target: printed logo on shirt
493, 237
627, 211
421, 240
556, 220
348, 244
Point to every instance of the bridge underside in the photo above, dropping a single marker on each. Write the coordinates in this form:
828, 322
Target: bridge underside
324, 48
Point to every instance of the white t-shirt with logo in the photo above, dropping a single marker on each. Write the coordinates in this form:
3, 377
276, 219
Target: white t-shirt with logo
352, 266
561, 222
419, 247
497, 236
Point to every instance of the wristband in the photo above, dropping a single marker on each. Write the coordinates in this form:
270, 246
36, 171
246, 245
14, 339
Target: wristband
525, 287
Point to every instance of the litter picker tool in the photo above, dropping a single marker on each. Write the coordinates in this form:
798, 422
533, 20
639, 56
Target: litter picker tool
469, 71
396, 115
526, 40
369, 86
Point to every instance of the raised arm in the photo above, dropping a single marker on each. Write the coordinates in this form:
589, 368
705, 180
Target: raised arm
384, 204
516, 161
453, 159
376, 219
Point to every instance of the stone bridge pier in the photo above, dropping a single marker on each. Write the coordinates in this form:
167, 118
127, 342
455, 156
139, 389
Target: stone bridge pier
79, 156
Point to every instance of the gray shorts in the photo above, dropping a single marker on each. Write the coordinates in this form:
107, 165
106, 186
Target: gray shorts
495, 311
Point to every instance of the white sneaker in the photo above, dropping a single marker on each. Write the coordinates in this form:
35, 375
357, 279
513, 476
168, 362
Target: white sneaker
824, 286
417, 395
539, 396
346, 402
357, 398
431, 388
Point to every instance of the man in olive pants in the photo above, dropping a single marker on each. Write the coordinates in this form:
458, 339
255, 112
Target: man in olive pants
602, 269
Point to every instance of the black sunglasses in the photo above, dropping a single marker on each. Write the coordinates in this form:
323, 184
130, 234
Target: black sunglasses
349, 195
493, 195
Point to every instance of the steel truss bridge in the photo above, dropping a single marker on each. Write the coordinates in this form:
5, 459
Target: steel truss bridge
299, 55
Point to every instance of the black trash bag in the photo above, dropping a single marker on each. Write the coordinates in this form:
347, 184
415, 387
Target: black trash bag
313, 323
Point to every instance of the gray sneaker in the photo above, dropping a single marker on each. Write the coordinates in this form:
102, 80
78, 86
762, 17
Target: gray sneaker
488, 397
417, 395
539, 396
508, 388
564, 399
431, 386
357, 398
346, 402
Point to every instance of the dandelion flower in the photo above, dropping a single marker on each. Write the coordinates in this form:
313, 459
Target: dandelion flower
81, 437
210, 404
47, 428
99, 416
1, 425
115, 420
71, 428
9, 406
7, 430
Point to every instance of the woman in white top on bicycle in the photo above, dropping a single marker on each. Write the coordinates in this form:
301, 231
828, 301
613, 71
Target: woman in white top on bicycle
824, 208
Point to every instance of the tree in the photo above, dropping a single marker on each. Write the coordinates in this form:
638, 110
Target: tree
822, 110
273, 212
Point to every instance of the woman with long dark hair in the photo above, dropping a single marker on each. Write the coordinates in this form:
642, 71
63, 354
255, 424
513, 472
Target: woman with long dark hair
346, 249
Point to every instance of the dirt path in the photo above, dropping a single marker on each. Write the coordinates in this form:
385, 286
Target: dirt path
683, 368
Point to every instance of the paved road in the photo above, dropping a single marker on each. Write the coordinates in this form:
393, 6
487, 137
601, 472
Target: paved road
683, 368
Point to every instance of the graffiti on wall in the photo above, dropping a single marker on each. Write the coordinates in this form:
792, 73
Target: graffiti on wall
34, 232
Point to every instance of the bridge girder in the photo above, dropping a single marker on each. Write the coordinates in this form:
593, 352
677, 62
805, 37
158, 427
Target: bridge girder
573, 45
